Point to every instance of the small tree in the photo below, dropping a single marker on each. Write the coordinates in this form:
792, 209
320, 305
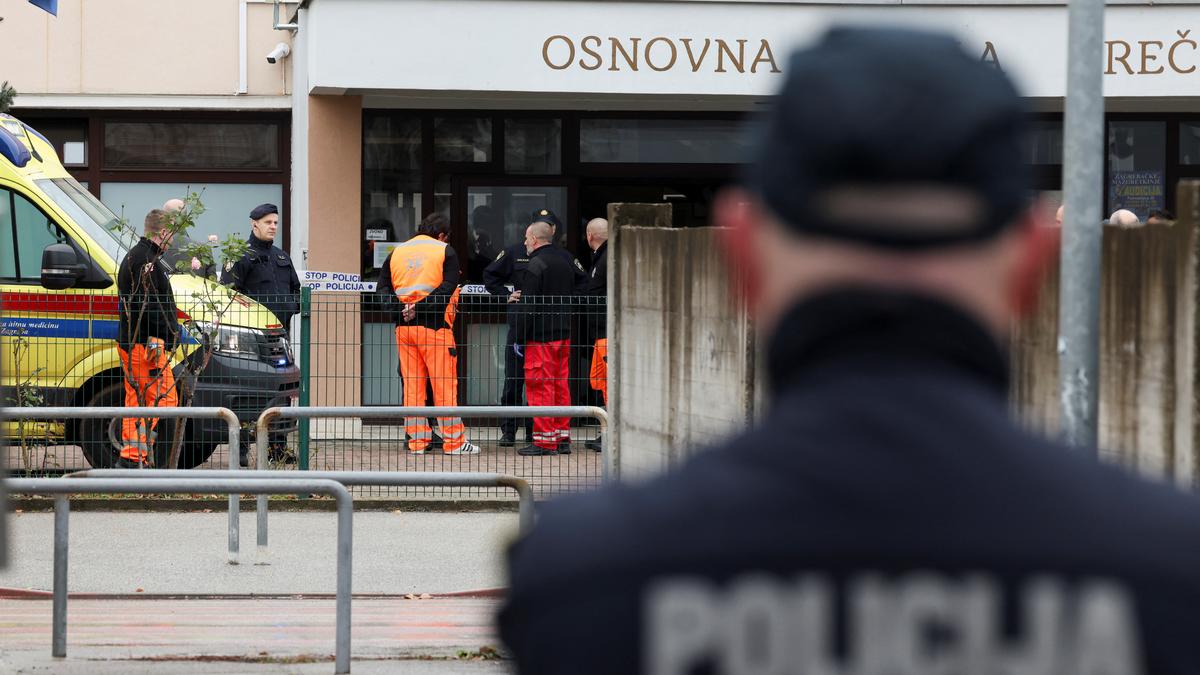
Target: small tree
214, 300
7, 96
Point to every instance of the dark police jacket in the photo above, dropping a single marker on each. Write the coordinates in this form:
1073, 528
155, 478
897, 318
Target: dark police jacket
509, 268
544, 311
596, 316
266, 274
886, 507
145, 301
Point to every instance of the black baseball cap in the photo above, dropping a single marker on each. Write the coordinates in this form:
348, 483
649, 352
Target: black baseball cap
263, 210
546, 216
873, 110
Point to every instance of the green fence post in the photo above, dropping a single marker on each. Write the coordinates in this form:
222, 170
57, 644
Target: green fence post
305, 369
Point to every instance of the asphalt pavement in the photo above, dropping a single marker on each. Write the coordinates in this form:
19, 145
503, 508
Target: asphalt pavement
185, 553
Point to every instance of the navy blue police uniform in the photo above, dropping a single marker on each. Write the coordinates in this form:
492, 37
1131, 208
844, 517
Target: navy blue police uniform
887, 516
508, 269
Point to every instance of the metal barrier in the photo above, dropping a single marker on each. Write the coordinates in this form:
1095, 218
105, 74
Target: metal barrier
348, 479
232, 486
226, 414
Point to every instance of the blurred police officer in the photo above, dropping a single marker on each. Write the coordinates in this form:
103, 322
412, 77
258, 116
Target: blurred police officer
887, 516
266, 274
508, 269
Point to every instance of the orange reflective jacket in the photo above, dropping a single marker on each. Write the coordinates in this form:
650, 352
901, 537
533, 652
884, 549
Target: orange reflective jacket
417, 268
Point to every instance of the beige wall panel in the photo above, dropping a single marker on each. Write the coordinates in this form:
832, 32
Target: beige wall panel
334, 208
263, 78
23, 36
160, 47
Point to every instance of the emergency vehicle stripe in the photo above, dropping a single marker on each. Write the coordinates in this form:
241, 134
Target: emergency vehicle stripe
53, 303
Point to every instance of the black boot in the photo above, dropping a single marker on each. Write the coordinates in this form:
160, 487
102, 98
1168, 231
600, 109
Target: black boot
535, 451
595, 444
508, 439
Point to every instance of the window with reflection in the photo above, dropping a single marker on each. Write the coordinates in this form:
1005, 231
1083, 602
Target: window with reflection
533, 146
462, 139
663, 141
191, 145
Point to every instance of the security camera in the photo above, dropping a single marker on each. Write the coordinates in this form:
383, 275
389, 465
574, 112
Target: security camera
280, 51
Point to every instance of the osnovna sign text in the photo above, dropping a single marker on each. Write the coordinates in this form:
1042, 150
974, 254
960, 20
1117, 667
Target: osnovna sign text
659, 54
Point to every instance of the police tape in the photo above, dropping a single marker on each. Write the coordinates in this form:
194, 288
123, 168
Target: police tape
347, 282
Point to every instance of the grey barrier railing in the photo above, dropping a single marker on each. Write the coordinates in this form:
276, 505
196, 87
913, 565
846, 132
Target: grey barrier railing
348, 479
60, 487
226, 414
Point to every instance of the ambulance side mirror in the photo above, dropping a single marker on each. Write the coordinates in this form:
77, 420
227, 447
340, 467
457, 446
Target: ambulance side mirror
61, 267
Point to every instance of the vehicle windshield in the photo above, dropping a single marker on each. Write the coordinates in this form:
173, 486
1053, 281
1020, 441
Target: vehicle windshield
88, 212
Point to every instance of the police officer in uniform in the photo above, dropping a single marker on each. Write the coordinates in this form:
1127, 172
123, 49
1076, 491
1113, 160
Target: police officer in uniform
266, 274
886, 516
508, 269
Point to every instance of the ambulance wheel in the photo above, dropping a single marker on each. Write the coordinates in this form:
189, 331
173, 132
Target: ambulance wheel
93, 434
100, 438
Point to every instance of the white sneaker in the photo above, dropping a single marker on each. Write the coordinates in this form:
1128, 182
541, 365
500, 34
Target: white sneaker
467, 448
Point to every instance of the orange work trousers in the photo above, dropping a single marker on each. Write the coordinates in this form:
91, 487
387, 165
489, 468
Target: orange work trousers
427, 354
149, 382
598, 376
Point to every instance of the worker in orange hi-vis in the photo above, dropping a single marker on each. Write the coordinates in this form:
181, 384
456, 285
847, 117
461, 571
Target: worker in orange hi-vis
420, 281
148, 333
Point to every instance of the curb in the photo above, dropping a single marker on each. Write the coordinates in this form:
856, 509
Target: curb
209, 504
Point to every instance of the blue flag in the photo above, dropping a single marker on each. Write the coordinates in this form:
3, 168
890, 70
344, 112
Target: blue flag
48, 5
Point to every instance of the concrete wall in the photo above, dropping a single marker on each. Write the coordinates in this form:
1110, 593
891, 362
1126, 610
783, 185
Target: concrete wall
681, 351
151, 47
1148, 336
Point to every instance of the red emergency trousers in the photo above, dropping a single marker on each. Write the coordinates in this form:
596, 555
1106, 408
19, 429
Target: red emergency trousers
546, 384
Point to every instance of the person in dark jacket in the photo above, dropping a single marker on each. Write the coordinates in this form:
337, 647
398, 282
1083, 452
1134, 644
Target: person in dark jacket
147, 334
887, 515
266, 272
509, 269
596, 312
543, 331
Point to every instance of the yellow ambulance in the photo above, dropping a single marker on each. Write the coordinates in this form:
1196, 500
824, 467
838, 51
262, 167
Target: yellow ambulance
59, 256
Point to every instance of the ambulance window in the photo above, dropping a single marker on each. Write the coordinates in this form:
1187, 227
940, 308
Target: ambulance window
8, 243
35, 232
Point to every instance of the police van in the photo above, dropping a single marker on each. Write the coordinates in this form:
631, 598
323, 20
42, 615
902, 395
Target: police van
59, 257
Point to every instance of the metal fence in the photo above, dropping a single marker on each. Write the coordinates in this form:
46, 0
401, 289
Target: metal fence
336, 349
67, 486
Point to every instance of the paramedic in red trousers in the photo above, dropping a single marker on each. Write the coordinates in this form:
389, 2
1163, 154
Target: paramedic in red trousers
420, 280
543, 333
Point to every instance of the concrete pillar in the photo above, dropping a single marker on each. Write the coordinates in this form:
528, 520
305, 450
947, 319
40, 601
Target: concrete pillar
334, 143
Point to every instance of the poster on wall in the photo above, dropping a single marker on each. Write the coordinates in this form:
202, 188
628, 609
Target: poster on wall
382, 250
1138, 191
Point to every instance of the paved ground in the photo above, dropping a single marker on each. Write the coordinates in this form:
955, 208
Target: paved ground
395, 553
143, 554
437, 636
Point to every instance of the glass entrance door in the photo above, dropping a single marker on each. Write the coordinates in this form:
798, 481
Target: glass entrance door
496, 216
